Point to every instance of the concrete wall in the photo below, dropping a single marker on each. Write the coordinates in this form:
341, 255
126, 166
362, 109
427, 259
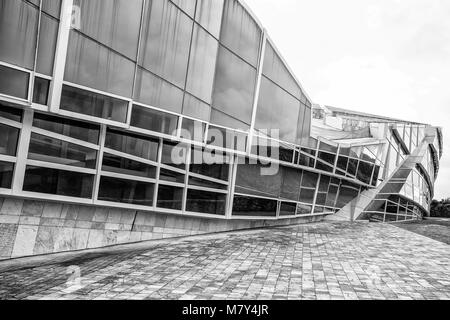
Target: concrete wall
29, 227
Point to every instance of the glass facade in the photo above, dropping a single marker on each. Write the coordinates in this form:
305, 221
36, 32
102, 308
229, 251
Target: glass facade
185, 107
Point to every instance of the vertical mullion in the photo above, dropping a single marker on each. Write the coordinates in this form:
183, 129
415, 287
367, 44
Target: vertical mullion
99, 161
158, 172
316, 193
186, 178
231, 185
22, 151
257, 89
60, 55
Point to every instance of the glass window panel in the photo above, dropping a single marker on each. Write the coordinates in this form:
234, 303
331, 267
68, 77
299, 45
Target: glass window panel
154, 120
307, 195
93, 65
126, 191
250, 180
171, 176
52, 7
193, 107
327, 157
9, 139
303, 209
40, 91
218, 170
71, 128
324, 183
157, 92
288, 209
206, 184
365, 172
135, 145
206, 202
193, 130
174, 155
254, 207
352, 166
48, 34
112, 163
291, 183
94, 104
170, 197
277, 110
113, 23
324, 167
58, 182
202, 64
13, 82
306, 128
240, 32
342, 163
276, 71
6, 174
43, 148
18, 29
331, 196
10, 113
187, 6
209, 15
346, 195
234, 90
227, 139
165, 41
321, 199
309, 179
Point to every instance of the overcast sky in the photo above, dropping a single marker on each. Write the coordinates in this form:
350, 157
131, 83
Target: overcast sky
388, 57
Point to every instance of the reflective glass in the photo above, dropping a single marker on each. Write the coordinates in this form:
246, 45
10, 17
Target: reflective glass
156, 92
254, 207
6, 174
112, 163
9, 139
171, 176
48, 34
154, 120
93, 104
52, 7
40, 91
93, 65
234, 89
71, 128
135, 145
18, 29
58, 182
193, 107
288, 209
275, 70
209, 15
10, 113
126, 191
187, 6
202, 65
250, 180
170, 197
43, 148
277, 110
240, 32
165, 41
206, 202
14, 82
193, 130
113, 23
174, 155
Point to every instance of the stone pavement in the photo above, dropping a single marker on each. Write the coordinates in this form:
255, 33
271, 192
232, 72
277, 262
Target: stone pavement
319, 261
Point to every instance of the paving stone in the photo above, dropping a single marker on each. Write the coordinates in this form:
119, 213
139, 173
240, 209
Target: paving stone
339, 261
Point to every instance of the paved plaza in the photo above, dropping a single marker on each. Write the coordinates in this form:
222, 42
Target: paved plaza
319, 261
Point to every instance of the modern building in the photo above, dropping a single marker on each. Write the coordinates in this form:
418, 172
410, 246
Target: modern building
123, 121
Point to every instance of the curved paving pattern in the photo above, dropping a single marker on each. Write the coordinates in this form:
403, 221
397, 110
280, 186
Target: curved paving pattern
320, 261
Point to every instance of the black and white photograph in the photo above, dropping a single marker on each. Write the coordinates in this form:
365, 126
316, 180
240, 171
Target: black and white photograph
224, 155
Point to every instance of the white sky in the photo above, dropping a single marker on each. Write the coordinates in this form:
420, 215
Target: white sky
388, 57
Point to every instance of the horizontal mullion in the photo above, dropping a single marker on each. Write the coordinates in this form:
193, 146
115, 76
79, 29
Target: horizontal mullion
126, 177
61, 137
11, 123
129, 156
199, 176
57, 166
207, 189
7, 158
